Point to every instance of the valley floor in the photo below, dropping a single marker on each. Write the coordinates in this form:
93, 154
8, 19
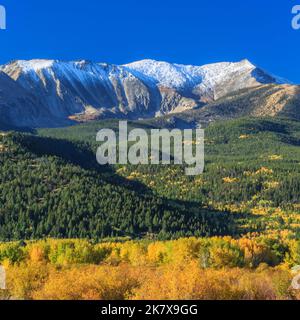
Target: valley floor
231, 233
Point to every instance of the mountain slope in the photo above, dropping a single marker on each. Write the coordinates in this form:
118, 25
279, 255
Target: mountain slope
262, 101
251, 168
18, 106
55, 188
83, 90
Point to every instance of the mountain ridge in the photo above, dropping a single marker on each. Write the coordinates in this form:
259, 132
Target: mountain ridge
69, 91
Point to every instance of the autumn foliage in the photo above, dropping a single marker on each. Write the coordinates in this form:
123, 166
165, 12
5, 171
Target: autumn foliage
188, 268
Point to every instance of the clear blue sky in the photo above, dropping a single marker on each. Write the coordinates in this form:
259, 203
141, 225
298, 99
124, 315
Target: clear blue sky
187, 31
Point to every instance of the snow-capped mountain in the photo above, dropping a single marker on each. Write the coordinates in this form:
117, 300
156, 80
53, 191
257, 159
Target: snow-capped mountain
212, 80
54, 93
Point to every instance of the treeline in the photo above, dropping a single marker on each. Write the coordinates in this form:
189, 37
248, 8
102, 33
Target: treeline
214, 252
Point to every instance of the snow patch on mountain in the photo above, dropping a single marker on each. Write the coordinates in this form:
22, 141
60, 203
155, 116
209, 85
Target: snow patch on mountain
178, 76
34, 65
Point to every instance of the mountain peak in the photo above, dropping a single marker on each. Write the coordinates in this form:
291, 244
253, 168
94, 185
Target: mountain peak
35, 64
247, 62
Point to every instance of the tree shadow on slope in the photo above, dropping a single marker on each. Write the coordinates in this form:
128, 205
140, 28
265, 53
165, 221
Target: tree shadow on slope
78, 154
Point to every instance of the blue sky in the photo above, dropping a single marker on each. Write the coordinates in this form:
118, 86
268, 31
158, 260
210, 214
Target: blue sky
121, 31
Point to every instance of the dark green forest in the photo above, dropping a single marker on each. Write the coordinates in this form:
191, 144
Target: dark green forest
52, 186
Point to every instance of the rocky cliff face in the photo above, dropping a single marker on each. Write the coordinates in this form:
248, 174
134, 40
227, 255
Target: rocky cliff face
269, 100
19, 107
